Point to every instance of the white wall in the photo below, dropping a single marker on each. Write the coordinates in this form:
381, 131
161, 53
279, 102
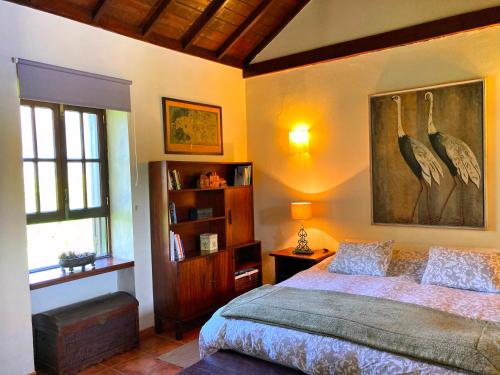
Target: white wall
155, 72
333, 99
16, 351
78, 290
324, 22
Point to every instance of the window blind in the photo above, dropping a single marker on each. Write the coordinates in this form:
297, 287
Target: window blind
49, 83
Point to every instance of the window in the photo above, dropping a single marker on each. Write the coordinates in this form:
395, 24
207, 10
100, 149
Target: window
65, 181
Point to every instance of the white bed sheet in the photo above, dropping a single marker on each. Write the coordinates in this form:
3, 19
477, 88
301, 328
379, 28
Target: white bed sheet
314, 354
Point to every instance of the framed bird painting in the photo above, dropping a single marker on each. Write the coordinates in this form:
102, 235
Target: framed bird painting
428, 156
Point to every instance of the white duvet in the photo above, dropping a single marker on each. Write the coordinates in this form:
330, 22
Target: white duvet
315, 354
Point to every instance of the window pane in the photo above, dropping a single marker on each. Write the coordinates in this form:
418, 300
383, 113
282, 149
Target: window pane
47, 241
90, 136
29, 187
44, 122
73, 135
27, 131
47, 186
75, 185
93, 185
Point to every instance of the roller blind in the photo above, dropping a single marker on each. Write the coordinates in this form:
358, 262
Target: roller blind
49, 83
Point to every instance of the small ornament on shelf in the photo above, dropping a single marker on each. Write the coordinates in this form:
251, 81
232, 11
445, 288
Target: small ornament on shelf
72, 259
211, 180
214, 180
208, 242
203, 182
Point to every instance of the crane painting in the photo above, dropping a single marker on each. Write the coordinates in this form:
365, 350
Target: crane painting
427, 156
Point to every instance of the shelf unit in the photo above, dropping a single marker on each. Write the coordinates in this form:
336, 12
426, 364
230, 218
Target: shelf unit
200, 283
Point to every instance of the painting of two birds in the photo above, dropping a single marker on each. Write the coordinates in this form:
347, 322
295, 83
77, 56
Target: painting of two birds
427, 156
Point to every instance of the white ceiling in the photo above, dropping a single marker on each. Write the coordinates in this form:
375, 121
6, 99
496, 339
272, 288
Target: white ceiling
325, 22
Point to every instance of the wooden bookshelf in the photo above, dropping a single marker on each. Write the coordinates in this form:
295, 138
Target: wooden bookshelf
200, 283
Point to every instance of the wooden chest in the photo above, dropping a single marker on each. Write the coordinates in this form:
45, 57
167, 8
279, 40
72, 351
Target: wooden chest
73, 337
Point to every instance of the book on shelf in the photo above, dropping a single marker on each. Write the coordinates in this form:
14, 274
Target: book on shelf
174, 180
176, 247
170, 185
177, 179
243, 175
180, 248
172, 213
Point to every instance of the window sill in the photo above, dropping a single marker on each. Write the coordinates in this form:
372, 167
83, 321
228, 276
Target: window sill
55, 276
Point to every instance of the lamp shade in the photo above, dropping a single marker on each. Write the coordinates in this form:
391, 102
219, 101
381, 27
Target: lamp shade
301, 210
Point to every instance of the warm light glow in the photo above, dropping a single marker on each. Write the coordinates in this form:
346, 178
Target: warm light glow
301, 210
299, 139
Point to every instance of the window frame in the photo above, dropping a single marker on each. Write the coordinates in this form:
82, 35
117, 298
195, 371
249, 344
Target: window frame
58, 215
63, 212
86, 212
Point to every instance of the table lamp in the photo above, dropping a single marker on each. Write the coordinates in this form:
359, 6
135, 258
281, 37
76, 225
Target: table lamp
301, 211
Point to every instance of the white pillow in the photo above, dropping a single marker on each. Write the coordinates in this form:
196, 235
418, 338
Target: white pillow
362, 258
463, 269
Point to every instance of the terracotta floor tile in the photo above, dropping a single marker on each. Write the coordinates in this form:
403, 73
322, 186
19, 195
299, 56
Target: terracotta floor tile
165, 369
189, 335
109, 371
123, 357
97, 369
143, 360
158, 345
139, 366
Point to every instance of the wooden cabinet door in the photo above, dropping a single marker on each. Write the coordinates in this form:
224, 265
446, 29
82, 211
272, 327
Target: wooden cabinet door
239, 213
222, 277
195, 287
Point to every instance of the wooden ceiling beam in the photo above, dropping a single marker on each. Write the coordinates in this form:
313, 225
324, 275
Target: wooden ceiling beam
407, 35
153, 16
252, 19
97, 12
286, 20
115, 26
198, 25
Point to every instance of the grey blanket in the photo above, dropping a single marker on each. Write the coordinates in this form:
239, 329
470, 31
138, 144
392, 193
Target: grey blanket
402, 328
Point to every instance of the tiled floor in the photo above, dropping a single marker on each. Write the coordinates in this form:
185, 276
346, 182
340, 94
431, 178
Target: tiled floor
144, 360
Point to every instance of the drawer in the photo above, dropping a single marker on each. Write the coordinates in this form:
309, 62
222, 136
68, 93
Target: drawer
247, 282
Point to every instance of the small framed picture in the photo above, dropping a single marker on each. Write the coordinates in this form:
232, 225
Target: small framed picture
192, 128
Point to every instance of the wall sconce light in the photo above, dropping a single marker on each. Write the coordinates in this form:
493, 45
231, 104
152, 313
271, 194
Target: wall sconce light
299, 139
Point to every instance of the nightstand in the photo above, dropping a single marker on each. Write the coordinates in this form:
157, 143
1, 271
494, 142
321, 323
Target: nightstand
287, 264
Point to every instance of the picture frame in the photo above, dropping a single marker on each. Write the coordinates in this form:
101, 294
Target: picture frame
445, 184
192, 128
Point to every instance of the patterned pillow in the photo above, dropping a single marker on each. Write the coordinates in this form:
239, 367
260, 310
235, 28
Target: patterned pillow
362, 258
408, 263
463, 269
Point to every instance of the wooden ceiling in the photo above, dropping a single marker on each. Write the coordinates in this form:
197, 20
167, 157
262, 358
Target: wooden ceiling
231, 32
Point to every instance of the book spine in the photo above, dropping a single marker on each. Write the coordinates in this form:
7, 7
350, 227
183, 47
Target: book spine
180, 252
177, 179
172, 179
172, 246
182, 247
174, 213
176, 247
170, 186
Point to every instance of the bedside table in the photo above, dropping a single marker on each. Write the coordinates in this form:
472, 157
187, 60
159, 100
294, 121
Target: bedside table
287, 264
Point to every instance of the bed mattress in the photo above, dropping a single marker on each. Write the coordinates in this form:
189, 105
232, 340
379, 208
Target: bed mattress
314, 354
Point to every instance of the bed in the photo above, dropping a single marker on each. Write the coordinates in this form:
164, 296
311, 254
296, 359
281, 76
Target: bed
317, 354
